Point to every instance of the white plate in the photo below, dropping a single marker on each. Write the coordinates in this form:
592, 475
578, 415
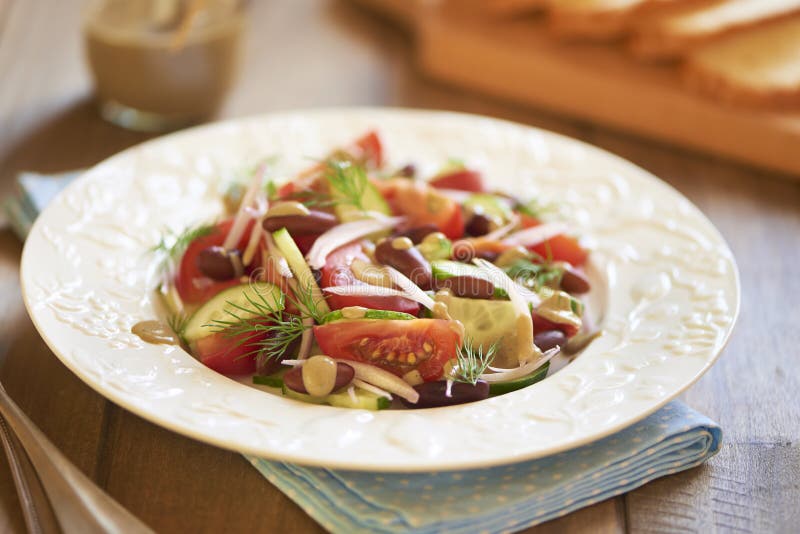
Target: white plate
665, 279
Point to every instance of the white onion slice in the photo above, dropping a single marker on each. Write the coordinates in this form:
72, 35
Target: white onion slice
503, 230
454, 194
306, 339
344, 233
372, 389
500, 279
504, 375
351, 392
536, 234
384, 380
364, 290
410, 289
293, 363
252, 245
243, 215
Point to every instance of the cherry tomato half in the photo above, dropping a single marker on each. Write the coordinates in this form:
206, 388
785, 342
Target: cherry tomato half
561, 247
462, 180
192, 285
337, 272
422, 204
229, 355
394, 345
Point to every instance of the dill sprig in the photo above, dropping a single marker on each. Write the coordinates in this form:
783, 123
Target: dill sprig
304, 300
471, 361
177, 322
171, 246
311, 199
537, 275
261, 325
349, 180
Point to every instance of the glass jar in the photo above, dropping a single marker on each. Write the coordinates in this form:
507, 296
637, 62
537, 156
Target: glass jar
162, 64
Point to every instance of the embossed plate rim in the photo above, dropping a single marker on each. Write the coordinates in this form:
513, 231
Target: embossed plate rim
534, 422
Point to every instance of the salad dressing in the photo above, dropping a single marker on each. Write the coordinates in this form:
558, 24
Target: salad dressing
155, 332
319, 375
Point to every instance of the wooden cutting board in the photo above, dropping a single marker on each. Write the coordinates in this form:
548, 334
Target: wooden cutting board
518, 60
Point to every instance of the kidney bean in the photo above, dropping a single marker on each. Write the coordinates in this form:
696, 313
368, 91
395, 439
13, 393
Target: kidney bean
219, 264
408, 171
574, 281
293, 379
478, 225
467, 287
408, 261
433, 394
487, 255
549, 338
315, 222
418, 233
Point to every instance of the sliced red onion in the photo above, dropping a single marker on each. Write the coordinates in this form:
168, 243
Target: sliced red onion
503, 230
242, 216
454, 194
410, 289
345, 233
372, 389
364, 290
500, 279
536, 234
306, 339
505, 375
252, 245
384, 380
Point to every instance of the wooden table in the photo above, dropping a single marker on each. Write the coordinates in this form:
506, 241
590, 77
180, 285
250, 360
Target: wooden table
327, 53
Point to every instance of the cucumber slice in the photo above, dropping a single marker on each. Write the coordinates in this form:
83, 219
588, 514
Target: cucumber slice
499, 388
443, 269
365, 400
489, 205
238, 302
365, 313
273, 381
371, 200
300, 269
487, 322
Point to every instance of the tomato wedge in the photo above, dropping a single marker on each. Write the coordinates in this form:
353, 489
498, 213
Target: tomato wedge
422, 204
394, 345
192, 285
561, 247
337, 272
461, 180
370, 150
228, 355
540, 324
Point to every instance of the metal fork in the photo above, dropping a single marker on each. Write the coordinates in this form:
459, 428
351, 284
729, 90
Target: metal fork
78, 504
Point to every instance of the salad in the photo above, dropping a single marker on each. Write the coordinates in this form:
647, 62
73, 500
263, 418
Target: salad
359, 286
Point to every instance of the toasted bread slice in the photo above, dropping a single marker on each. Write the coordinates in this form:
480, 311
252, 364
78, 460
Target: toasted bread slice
673, 36
606, 19
755, 67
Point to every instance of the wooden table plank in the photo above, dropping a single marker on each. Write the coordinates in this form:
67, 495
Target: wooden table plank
344, 56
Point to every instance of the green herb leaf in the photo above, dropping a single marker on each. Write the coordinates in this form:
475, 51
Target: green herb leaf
535, 275
349, 180
172, 246
471, 362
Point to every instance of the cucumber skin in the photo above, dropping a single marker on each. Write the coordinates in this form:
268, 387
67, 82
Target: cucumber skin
366, 401
269, 381
336, 315
501, 388
194, 326
443, 269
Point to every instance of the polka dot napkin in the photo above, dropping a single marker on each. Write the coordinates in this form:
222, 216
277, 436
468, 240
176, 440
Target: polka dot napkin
506, 498
501, 499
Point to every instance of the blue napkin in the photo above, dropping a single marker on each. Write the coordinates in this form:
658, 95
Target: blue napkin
500, 499
505, 498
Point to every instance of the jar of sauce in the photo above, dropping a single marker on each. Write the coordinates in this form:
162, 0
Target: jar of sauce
162, 64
